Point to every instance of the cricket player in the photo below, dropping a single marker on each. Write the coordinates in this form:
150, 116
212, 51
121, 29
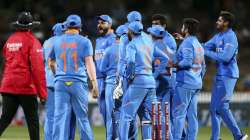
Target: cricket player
124, 40
109, 68
159, 19
106, 39
190, 66
58, 29
132, 16
161, 75
120, 31
223, 48
72, 55
168, 39
141, 89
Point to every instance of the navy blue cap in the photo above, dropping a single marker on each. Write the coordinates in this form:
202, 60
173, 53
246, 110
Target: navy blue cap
135, 27
105, 18
134, 16
120, 30
73, 21
156, 30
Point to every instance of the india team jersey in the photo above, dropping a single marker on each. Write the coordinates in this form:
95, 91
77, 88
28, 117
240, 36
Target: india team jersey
158, 69
101, 44
223, 48
141, 52
109, 63
47, 47
122, 54
190, 59
69, 52
169, 40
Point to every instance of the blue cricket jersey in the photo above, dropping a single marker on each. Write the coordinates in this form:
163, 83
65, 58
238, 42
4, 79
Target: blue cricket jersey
141, 52
170, 41
70, 51
159, 69
122, 55
190, 60
109, 63
47, 47
223, 48
102, 43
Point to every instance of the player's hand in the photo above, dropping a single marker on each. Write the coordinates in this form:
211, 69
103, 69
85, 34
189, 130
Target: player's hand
170, 64
118, 90
94, 89
43, 101
178, 36
95, 93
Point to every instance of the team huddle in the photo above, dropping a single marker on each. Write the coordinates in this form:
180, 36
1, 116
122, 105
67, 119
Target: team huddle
132, 71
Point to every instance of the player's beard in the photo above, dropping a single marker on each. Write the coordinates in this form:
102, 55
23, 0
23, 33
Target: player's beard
219, 27
102, 31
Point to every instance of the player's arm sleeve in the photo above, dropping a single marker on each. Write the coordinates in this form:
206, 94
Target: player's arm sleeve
37, 69
210, 44
187, 54
159, 53
230, 49
52, 60
105, 62
46, 45
122, 58
130, 55
90, 66
88, 48
52, 54
156, 70
172, 44
163, 61
88, 59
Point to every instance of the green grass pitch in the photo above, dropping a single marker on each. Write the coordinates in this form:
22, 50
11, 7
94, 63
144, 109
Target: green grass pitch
21, 133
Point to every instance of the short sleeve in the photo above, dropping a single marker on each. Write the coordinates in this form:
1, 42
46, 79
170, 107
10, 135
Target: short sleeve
88, 48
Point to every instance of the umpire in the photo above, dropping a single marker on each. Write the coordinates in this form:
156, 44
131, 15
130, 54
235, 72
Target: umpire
23, 76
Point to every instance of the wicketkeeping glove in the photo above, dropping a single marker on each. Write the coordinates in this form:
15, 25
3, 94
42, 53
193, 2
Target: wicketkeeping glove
118, 90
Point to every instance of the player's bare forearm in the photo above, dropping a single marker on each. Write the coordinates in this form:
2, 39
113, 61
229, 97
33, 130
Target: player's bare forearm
92, 75
90, 66
52, 66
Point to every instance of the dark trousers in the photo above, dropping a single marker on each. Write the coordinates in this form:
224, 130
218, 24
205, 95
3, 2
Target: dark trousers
29, 104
